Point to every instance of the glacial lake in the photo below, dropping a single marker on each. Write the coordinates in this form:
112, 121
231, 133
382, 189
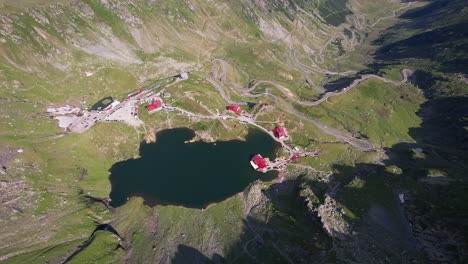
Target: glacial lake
174, 171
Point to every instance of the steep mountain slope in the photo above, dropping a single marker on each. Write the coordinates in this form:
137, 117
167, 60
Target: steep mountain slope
405, 201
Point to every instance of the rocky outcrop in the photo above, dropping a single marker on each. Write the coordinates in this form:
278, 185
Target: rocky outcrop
331, 215
254, 198
122, 10
328, 212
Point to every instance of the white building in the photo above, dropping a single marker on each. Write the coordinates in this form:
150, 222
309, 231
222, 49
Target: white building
184, 75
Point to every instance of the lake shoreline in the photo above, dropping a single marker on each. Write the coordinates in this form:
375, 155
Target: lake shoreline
181, 170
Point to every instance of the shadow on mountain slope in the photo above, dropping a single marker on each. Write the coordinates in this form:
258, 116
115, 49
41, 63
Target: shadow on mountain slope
278, 229
186, 254
432, 172
437, 32
413, 206
432, 45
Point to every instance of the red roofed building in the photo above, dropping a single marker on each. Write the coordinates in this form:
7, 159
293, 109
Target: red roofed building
154, 106
258, 162
280, 132
294, 158
235, 109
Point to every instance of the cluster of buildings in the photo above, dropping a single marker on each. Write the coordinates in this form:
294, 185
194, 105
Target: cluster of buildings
143, 96
262, 164
127, 111
155, 102
257, 161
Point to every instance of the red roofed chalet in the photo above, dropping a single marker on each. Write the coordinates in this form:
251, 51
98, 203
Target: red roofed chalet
235, 109
258, 162
154, 106
280, 132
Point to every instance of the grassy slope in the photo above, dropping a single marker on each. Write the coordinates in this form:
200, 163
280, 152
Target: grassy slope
381, 112
59, 160
437, 128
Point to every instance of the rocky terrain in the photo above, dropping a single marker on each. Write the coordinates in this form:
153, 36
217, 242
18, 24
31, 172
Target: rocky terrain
376, 88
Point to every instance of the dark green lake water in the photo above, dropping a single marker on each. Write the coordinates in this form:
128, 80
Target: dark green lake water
194, 175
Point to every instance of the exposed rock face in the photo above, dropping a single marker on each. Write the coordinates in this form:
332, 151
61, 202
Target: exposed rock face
270, 229
253, 198
331, 215
274, 31
112, 49
85, 10
267, 6
122, 9
39, 16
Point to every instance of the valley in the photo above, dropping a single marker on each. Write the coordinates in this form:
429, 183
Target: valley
369, 130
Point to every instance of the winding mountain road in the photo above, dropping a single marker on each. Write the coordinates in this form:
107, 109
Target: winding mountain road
405, 74
243, 119
360, 144
223, 94
215, 74
314, 67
